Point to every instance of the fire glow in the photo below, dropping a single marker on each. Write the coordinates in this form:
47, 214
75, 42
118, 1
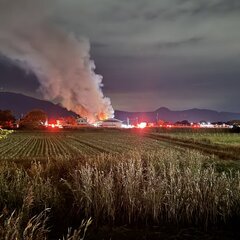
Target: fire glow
142, 125
57, 124
102, 116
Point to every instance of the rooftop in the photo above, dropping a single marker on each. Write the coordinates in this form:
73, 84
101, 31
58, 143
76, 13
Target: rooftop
112, 120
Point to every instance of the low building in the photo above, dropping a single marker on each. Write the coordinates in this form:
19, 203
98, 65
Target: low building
111, 123
82, 122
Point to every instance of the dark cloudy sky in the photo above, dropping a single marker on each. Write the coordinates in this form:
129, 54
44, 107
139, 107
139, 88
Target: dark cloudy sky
175, 53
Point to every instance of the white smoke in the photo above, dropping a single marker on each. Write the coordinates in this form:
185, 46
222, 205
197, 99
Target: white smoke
60, 60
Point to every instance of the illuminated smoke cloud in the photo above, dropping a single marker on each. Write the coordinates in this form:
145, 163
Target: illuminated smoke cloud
60, 60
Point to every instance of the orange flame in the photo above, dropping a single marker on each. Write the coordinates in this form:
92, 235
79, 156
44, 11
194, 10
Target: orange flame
102, 116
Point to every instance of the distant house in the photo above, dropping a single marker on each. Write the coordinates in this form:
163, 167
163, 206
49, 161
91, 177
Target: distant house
111, 123
82, 122
76, 122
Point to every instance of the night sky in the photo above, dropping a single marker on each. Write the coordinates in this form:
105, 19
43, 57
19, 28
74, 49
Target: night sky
175, 53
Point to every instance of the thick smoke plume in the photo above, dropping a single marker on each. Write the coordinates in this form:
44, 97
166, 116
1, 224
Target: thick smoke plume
61, 61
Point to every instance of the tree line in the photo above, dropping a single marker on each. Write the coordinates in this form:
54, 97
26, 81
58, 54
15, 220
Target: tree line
33, 119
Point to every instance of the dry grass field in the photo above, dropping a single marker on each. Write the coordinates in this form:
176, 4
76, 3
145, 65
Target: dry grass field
110, 184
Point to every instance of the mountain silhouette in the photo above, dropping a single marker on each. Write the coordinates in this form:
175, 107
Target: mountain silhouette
165, 114
20, 104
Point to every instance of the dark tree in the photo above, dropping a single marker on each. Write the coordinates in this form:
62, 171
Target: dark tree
183, 123
34, 119
236, 129
234, 122
7, 119
70, 120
